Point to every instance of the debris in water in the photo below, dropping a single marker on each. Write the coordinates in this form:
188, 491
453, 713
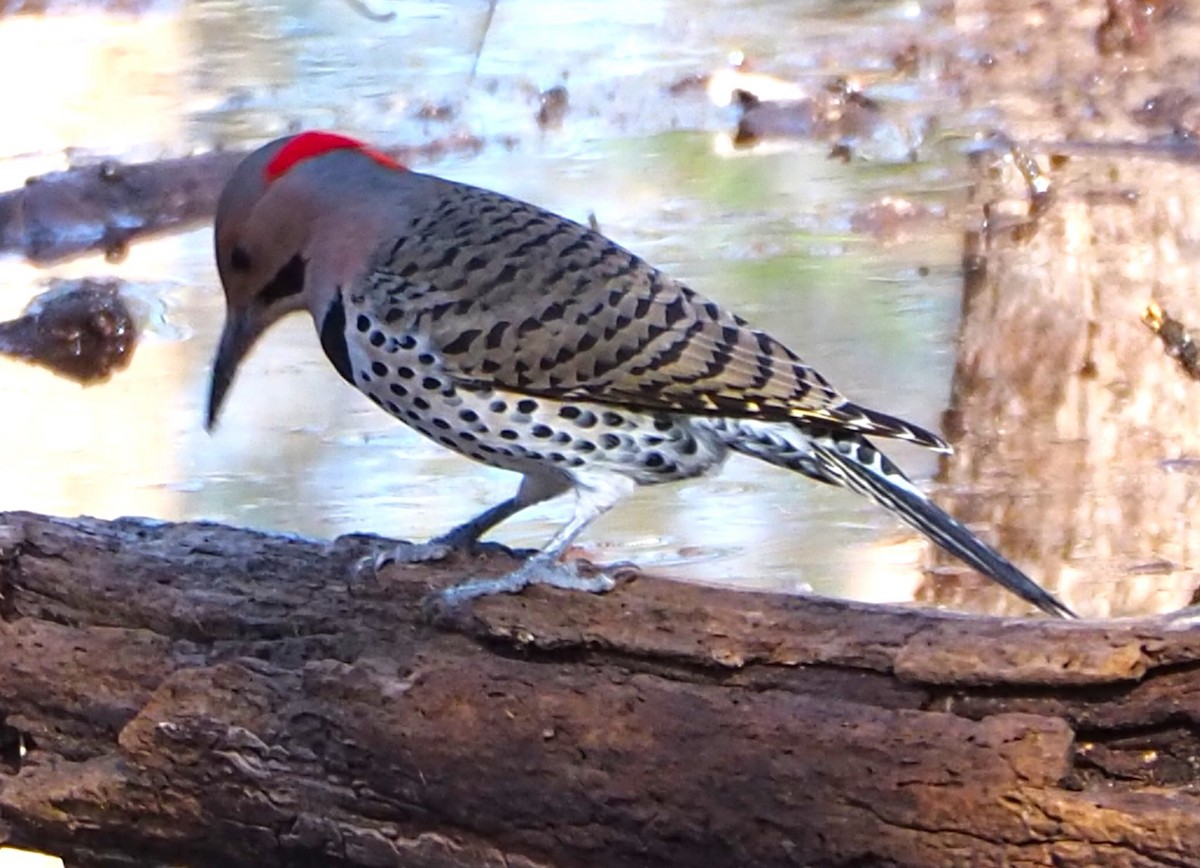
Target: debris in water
553, 106
1175, 336
80, 329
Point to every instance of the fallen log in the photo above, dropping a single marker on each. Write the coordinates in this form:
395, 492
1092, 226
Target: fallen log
200, 695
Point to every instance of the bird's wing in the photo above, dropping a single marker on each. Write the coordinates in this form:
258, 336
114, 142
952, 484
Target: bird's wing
512, 296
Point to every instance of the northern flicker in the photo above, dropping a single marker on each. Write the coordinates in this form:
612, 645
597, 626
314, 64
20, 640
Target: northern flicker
529, 342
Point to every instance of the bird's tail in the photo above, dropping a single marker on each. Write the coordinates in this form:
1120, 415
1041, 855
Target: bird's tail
872, 423
849, 460
855, 464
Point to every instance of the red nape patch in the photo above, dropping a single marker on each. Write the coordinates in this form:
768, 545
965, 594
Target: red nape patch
316, 143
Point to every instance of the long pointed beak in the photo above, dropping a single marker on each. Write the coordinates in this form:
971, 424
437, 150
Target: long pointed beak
240, 333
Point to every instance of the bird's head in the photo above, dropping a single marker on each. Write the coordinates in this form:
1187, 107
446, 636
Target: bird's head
286, 235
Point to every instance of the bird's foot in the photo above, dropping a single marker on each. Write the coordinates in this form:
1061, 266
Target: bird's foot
439, 549
538, 570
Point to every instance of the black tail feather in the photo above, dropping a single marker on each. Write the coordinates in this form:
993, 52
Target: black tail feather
900, 497
849, 416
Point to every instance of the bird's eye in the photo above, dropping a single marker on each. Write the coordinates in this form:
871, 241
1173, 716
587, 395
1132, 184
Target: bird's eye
239, 259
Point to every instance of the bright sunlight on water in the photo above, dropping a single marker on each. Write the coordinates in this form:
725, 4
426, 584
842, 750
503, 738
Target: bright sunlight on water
766, 232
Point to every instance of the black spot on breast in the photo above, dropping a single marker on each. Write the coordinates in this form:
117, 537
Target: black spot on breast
405, 372
611, 418
398, 390
468, 415
509, 434
377, 338
497, 406
431, 383
362, 323
379, 369
609, 441
653, 459
541, 431
420, 403
333, 338
525, 405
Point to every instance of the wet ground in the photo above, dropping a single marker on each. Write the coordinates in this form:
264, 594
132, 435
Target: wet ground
776, 232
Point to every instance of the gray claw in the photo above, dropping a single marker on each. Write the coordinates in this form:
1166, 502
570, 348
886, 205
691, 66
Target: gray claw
415, 553
536, 571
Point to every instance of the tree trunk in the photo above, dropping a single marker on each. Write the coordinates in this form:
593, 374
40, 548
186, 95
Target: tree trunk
197, 695
1076, 434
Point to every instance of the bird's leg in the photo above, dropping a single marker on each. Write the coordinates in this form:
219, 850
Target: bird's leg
534, 489
460, 539
546, 567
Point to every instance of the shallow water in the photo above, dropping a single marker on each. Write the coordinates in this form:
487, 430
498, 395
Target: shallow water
765, 232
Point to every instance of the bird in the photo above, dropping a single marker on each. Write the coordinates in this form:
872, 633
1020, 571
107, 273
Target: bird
532, 343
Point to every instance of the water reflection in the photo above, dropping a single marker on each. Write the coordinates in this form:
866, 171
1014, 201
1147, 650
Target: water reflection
769, 235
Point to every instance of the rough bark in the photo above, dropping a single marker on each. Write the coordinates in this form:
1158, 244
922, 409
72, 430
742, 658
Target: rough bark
200, 695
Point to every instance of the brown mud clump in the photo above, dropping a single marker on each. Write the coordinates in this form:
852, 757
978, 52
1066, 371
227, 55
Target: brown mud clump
80, 329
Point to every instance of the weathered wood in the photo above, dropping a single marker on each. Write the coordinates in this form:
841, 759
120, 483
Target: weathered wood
208, 696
